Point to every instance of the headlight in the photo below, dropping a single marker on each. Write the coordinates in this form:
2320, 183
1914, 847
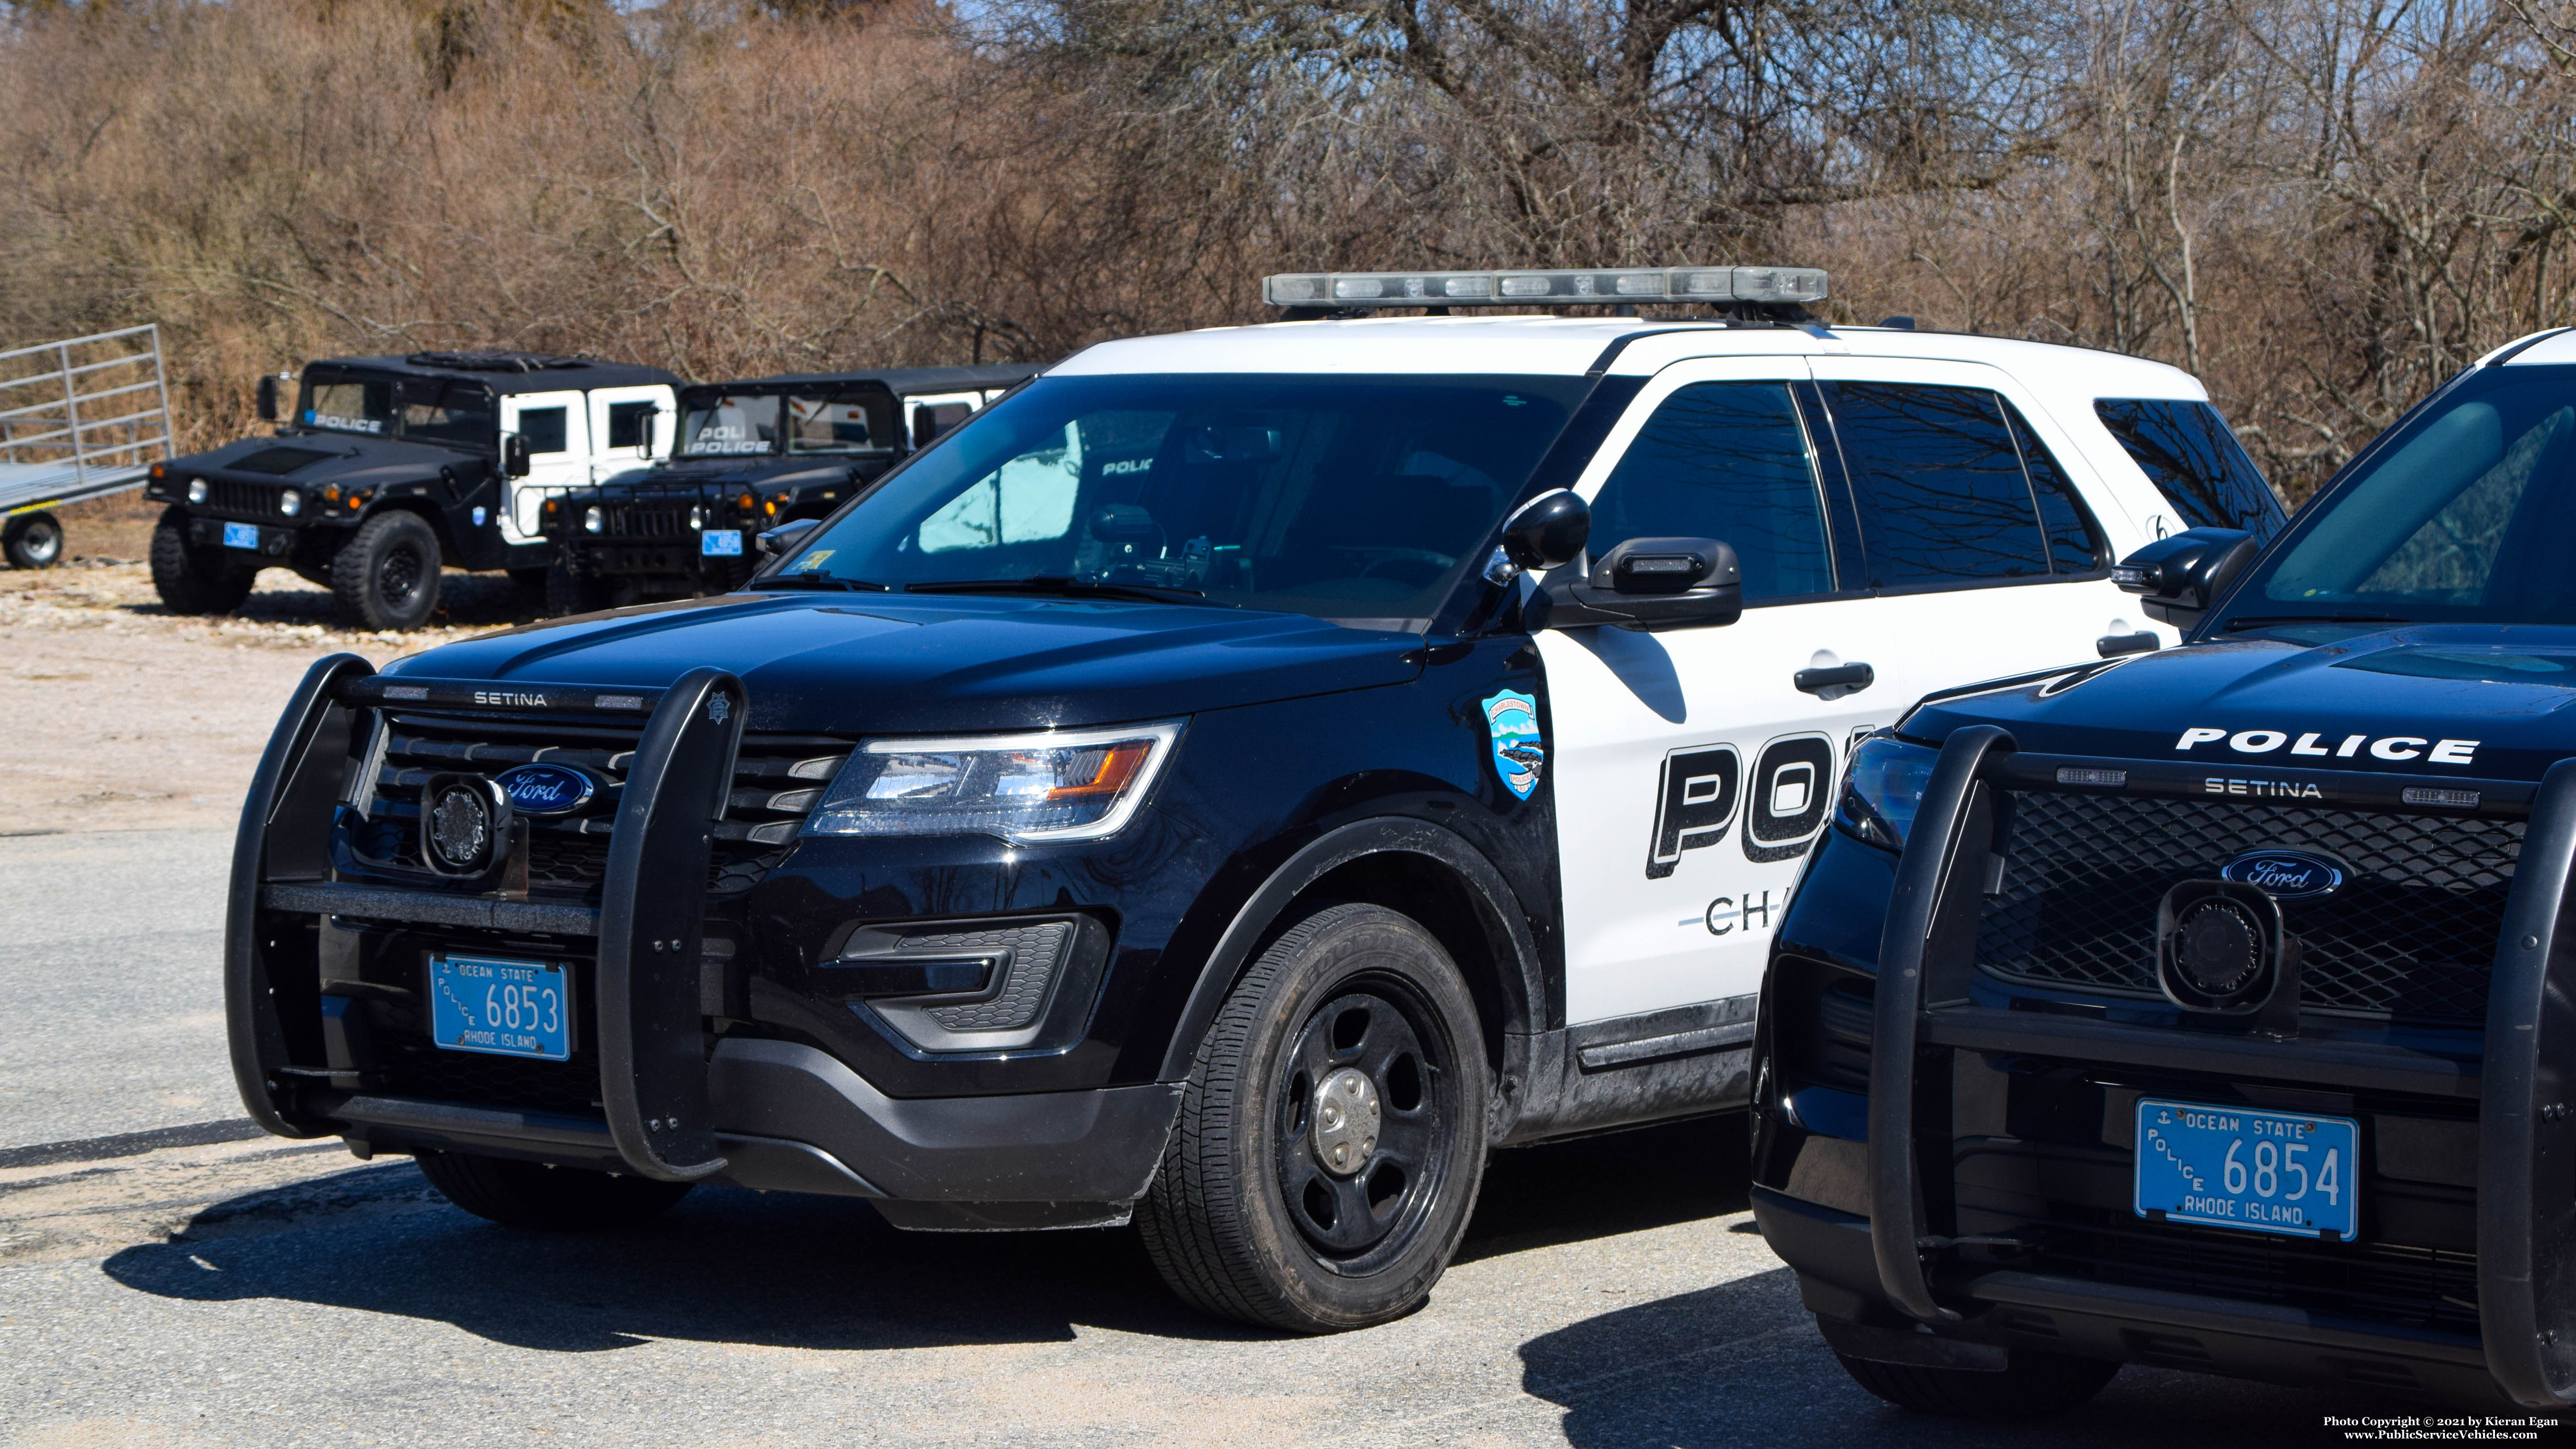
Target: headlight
590, 520
1059, 785
196, 490
697, 516
1883, 788
290, 503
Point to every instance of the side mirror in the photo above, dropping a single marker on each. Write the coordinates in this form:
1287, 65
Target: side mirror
1647, 583
785, 537
268, 398
2182, 575
1549, 531
514, 455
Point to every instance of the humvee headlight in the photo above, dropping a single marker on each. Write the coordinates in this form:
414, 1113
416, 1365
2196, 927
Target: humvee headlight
590, 520
1055, 785
196, 490
1882, 788
290, 503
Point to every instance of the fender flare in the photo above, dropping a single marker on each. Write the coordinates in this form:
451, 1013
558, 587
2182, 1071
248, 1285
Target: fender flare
1524, 988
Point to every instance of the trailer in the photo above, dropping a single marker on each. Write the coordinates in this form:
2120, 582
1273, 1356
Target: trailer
82, 418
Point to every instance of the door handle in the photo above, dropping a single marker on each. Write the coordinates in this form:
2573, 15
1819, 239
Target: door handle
1849, 678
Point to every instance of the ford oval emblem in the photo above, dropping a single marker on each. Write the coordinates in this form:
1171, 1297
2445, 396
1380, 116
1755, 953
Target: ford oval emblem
2287, 875
547, 789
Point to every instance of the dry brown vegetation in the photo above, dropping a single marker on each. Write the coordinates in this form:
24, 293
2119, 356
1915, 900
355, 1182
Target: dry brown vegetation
2321, 206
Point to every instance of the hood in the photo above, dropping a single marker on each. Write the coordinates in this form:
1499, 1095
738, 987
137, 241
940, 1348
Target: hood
692, 475
313, 459
2490, 702
894, 663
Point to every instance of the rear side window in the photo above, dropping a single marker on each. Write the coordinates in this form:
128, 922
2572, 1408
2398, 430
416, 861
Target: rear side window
1944, 498
1729, 461
2186, 450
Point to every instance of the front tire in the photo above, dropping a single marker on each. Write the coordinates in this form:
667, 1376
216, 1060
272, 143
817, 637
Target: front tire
2033, 1385
194, 580
386, 575
556, 1199
32, 541
1332, 1135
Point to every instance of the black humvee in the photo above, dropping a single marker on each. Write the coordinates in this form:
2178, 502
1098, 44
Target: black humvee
751, 455
390, 467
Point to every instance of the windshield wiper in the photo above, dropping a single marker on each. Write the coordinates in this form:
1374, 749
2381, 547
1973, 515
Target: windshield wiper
2259, 621
821, 581
1070, 588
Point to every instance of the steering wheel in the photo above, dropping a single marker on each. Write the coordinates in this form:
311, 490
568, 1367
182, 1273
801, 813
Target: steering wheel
1423, 562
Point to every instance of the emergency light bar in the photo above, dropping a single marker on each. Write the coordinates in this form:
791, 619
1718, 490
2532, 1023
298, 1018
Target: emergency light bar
1613, 285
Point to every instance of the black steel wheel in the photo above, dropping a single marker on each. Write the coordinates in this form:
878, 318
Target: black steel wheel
32, 541
192, 579
534, 1195
386, 575
1332, 1135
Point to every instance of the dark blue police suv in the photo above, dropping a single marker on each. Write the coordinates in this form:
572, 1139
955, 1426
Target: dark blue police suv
2215, 1008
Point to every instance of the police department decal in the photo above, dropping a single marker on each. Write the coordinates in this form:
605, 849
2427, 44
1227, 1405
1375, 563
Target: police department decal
1511, 718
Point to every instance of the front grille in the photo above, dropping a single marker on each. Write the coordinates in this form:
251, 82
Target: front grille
249, 500
645, 520
2384, 1283
2411, 934
776, 781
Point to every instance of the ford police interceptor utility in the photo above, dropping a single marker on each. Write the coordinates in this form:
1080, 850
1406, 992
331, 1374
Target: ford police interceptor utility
389, 467
1235, 780
2216, 1008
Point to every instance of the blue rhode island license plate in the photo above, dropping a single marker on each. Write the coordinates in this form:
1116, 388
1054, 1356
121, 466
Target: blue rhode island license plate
508, 1008
241, 535
2238, 1167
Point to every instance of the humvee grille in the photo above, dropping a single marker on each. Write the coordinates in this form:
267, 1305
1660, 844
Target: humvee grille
777, 779
248, 500
645, 520
2410, 935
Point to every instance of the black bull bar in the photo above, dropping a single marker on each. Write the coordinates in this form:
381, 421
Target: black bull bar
652, 1045
2525, 1087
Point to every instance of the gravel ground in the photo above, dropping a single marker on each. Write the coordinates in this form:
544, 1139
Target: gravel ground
257, 1293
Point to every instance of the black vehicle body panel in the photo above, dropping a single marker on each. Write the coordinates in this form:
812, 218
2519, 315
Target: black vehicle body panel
1919, 1057
652, 520
459, 489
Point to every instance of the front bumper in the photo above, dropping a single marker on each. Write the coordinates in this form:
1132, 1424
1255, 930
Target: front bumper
1878, 1223
674, 1101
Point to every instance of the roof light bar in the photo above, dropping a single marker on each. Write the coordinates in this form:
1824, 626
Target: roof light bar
1598, 285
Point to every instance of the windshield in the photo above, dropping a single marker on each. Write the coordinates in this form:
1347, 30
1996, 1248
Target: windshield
851, 421
728, 425
2460, 518
447, 411
1349, 498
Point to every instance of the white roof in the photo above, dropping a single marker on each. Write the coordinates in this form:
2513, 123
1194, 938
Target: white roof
1572, 346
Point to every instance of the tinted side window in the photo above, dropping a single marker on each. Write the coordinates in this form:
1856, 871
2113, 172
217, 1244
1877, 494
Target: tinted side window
1729, 461
543, 428
2186, 450
630, 424
2075, 545
1939, 484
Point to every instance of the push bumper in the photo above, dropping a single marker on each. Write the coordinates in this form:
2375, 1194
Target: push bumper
675, 1102
1865, 1273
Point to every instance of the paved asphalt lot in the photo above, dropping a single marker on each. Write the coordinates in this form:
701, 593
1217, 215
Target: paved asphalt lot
264, 1293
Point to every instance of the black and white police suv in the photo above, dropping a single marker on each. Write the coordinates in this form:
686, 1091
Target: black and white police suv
389, 467
751, 455
1235, 780
2216, 1008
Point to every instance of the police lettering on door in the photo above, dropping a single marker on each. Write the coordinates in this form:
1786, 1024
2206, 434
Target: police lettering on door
1700, 789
